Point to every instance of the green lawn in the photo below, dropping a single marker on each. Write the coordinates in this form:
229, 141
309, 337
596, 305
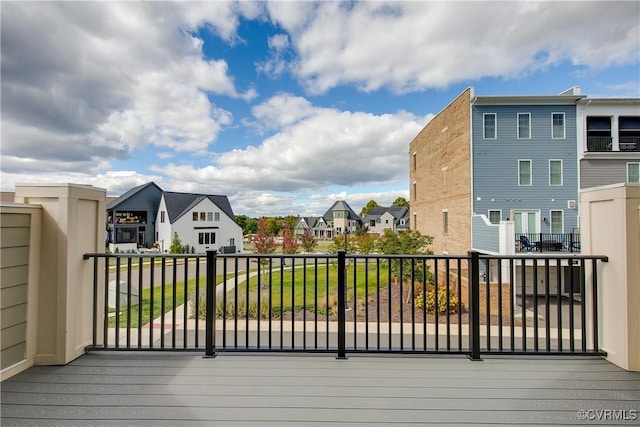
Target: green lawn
287, 289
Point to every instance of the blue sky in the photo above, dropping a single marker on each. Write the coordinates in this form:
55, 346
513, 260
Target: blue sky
283, 106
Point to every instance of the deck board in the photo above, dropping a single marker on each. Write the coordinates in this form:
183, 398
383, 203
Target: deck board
185, 389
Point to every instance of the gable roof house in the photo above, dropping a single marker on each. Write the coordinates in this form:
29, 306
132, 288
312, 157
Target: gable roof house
202, 221
305, 222
131, 218
394, 218
338, 218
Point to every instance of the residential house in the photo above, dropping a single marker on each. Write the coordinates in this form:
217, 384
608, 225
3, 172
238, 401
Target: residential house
486, 159
394, 218
202, 221
131, 218
608, 141
335, 221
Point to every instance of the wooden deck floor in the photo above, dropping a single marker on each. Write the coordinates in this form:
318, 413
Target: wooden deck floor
184, 389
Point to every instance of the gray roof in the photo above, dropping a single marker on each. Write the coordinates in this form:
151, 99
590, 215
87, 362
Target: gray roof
341, 205
309, 220
128, 194
180, 203
398, 212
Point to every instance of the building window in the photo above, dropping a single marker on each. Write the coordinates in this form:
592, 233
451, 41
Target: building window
216, 216
557, 223
414, 161
555, 172
203, 216
490, 130
415, 191
126, 234
209, 216
206, 238
495, 215
195, 216
633, 173
524, 172
524, 126
415, 221
161, 216
629, 130
557, 125
445, 222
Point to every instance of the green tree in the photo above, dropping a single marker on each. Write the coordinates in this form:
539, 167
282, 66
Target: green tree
176, 245
273, 225
367, 208
401, 201
291, 221
410, 242
366, 242
308, 241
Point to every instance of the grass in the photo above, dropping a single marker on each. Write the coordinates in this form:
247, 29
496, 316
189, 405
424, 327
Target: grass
149, 313
288, 292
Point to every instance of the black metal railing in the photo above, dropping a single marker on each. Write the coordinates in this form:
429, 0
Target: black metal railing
629, 143
599, 143
347, 303
547, 242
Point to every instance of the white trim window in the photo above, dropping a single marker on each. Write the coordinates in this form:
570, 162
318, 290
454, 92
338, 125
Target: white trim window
490, 125
557, 221
633, 172
524, 125
495, 215
555, 173
557, 126
525, 176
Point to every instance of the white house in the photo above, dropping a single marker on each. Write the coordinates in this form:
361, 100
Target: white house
394, 218
202, 221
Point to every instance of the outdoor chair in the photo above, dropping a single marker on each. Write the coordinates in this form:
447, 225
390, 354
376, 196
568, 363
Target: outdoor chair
525, 244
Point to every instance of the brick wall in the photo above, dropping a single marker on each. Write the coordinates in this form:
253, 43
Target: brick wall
441, 177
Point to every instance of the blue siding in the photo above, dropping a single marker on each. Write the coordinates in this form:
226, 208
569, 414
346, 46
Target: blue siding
485, 237
495, 163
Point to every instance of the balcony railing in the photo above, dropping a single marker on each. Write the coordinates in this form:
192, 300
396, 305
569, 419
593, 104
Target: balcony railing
629, 143
599, 143
347, 303
547, 242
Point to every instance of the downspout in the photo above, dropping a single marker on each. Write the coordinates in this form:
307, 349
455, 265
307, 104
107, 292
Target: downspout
473, 101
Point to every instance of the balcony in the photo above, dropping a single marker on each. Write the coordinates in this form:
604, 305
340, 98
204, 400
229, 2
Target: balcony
629, 143
605, 143
599, 143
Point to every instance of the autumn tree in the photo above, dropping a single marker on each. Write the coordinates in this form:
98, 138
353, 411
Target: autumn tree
263, 241
289, 241
308, 241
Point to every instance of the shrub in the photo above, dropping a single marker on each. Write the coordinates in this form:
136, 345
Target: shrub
430, 300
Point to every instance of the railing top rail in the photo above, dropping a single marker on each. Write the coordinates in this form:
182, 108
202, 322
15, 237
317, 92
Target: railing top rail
541, 256
545, 255
142, 255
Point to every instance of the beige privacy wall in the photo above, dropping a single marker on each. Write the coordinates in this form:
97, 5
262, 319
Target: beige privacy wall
610, 225
19, 264
73, 223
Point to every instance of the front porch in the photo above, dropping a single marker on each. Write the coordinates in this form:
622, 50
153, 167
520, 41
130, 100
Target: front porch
185, 389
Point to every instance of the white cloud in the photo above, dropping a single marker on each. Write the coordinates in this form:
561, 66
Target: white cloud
408, 46
314, 148
86, 83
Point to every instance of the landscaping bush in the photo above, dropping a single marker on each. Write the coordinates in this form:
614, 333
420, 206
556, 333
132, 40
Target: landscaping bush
430, 300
